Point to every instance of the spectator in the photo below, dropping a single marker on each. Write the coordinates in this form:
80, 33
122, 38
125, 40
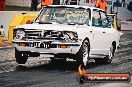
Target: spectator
82, 1
70, 2
87, 1
56, 2
34, 4
118, 1
102, 5
73, 2
116, 4
111, 11
2, 5
47, 2
94, 1
123, 1
66, 1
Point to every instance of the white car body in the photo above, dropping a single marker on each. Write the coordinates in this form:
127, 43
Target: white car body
100, 38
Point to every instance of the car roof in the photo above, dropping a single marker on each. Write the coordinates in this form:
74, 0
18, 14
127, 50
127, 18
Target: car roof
75, 6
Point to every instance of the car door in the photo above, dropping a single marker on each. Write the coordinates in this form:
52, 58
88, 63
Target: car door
108, 32
99, 42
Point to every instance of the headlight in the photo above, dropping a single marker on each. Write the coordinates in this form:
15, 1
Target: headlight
20, 34
70, 36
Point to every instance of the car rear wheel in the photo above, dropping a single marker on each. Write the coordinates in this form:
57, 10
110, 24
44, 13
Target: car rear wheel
21, 57
83, 54
108, 58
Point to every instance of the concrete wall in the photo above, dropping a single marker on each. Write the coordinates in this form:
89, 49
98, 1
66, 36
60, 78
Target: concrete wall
25, 3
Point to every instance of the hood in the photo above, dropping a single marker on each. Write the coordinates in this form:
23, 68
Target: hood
59, 27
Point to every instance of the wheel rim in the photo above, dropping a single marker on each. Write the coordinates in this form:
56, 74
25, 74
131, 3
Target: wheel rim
111, 52
85, 54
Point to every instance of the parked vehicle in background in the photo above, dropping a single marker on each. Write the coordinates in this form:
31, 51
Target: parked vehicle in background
76, 32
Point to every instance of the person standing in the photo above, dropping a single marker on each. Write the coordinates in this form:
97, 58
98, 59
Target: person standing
94, 1
2, 5
87, 1
73, 2
123, 1
66, 2
102, 5
117, 4
70, 2
46, 2
82, 1
34, 4
56, 2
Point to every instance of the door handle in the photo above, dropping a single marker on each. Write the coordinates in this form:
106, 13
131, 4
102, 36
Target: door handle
103, 31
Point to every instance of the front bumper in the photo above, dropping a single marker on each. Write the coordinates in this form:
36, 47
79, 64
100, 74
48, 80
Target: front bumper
72, 48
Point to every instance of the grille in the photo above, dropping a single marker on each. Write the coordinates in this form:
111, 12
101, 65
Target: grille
33, 33
43, 34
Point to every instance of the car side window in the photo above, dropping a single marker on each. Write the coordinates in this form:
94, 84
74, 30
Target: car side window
104, 19
96, 20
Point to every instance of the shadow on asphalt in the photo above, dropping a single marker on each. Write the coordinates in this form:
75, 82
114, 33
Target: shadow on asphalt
57, 65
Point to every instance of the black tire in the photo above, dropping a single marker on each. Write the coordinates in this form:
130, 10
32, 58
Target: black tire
55, 60
103, 61
108, 58
83, 53
21, 57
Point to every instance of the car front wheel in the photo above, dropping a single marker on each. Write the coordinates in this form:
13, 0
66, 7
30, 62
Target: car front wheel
83, 54
21, 57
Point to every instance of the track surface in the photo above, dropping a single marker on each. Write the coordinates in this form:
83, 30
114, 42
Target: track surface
39, 72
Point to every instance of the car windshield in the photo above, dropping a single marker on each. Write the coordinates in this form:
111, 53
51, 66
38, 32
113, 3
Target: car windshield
63, 15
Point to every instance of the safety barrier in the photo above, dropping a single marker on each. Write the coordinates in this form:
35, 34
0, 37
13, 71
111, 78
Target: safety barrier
23, 19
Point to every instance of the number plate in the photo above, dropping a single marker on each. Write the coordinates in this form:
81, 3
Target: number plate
42, 45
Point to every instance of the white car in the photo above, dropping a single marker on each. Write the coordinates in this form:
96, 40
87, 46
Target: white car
76, 32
